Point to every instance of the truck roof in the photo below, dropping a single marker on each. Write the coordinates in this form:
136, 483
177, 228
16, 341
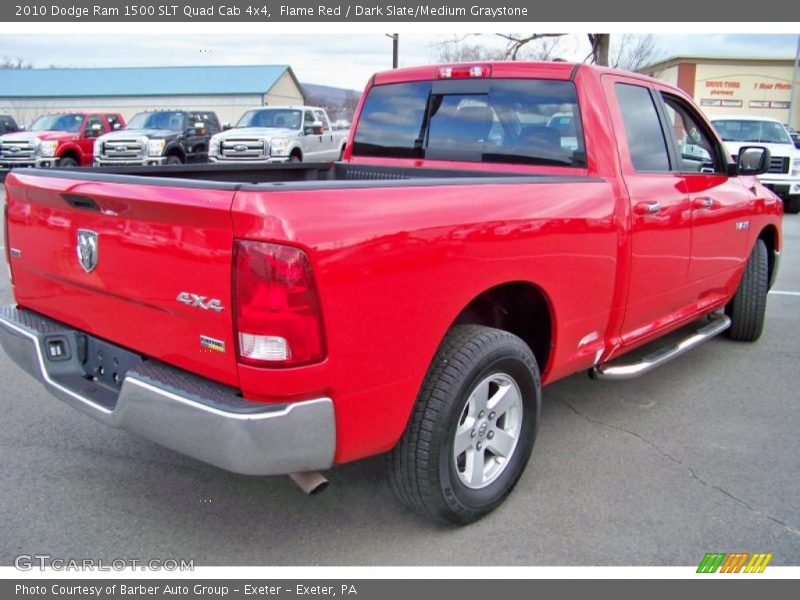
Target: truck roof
504, 69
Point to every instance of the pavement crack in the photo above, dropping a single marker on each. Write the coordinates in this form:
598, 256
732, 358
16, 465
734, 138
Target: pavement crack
692, 472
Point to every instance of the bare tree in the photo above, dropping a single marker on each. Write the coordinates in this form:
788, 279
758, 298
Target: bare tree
630, 52
14, 63
634, 52
515, 43
463, 49
601, 45
349, 105
537, 46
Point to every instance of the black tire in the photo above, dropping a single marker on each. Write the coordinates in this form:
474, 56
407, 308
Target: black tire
295, 159
791, 205
423, 469
749, 305
173, 159
67, 162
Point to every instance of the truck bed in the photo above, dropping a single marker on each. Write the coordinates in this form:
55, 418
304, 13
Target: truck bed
292, 175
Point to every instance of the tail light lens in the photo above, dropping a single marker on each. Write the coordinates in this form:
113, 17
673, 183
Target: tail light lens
278, 318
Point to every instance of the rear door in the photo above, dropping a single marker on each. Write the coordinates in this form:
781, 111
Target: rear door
720, 204
660, 225
115, 256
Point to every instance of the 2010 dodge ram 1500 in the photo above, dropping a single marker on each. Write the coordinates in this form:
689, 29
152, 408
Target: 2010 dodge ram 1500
411, 299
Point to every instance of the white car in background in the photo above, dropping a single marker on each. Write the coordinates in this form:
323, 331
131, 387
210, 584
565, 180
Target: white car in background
275, 134
783, 176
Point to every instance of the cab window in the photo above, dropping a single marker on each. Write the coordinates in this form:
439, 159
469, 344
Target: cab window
522, 121
114, 122
646, 143
89, 128
695, 147
320, 116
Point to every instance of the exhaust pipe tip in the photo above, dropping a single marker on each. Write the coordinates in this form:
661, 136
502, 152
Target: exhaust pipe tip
311, 483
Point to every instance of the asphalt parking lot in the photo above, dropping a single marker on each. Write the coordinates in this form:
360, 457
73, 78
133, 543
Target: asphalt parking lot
702, 455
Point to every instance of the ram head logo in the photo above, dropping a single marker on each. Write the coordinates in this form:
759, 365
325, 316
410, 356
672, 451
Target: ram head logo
87, 249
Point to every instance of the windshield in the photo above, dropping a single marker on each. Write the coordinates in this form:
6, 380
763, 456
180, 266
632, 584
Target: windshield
158, 120
529, 121
70, 123
766, 132
272, 117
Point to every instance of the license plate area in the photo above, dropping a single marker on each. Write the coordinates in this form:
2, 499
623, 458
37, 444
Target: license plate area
104, 363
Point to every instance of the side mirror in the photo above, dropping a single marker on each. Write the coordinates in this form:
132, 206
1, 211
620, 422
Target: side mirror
226, 126
317, 127
752, 160
116, 126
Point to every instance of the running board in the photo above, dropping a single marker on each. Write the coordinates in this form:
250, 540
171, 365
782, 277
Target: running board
719, 323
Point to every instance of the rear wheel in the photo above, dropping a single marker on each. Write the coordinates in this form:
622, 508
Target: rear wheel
473, 427
748, 307
67, 162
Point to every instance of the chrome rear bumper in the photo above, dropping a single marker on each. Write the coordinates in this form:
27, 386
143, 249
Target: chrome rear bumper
189, 414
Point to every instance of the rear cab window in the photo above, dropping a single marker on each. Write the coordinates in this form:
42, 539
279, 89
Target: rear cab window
646, 142
523, 121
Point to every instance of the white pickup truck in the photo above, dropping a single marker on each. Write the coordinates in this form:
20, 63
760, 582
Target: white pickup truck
279, 134
783, 176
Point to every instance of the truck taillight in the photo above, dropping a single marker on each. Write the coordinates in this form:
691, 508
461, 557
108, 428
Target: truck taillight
278, 318
464, 72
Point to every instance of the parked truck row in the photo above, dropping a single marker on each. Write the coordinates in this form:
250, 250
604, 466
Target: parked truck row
172, 137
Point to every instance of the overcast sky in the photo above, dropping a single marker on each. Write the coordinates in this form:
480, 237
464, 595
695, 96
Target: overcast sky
343, 60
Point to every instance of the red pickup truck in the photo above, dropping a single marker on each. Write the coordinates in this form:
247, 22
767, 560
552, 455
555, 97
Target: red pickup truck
492, 228
58, 139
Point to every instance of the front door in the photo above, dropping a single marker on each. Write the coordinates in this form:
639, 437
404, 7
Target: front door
721, 205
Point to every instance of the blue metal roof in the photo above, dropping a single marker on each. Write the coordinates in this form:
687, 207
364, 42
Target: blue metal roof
141, 81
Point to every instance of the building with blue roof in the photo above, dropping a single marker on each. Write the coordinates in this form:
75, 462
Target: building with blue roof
226, 90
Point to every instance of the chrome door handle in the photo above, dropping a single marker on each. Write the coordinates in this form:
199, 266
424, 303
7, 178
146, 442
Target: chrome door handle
648, 208
704, 202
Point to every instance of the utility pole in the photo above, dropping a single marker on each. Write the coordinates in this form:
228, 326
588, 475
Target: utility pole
793, 97
395, 48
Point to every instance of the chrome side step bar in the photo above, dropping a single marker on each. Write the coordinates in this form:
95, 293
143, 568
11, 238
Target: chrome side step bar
719, 323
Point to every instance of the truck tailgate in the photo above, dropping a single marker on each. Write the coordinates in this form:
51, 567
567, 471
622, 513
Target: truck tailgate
157, 248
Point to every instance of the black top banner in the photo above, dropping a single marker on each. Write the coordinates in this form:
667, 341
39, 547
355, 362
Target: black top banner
401, 11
